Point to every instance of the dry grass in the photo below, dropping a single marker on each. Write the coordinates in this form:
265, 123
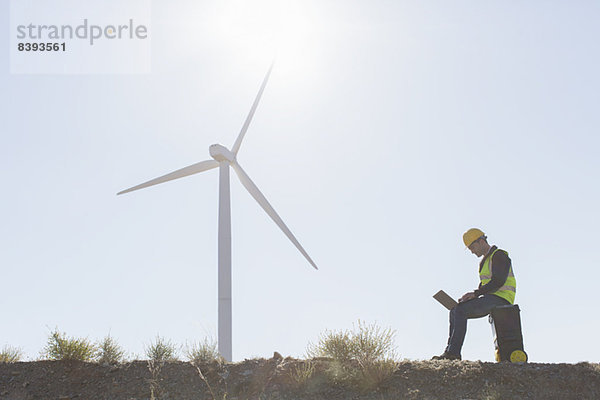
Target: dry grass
203, 352
362, 357
373, 374
10, 354
365, 344
61, 347
109, 351
161, 350
300, 374
337, 345
155, 368
220, 396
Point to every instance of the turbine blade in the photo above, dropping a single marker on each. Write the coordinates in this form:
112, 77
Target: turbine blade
238, 142
180, 173
260, 198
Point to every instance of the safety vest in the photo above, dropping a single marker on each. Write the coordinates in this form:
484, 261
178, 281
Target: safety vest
509, 289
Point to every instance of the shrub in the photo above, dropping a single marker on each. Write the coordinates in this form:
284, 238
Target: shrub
203, 352
161, 350
373, 343
61, 347
10, 354
362, 357
109, 351
337, 345
366, 345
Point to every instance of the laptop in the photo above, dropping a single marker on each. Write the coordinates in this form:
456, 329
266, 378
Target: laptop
445, 300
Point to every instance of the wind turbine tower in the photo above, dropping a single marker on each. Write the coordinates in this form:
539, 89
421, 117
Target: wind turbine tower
225, 158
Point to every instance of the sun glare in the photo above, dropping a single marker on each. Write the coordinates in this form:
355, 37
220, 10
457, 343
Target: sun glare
265, 29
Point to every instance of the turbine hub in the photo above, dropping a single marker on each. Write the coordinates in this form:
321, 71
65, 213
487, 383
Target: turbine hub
221, 153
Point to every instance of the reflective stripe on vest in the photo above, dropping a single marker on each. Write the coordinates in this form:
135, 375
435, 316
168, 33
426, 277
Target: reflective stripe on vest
508, 289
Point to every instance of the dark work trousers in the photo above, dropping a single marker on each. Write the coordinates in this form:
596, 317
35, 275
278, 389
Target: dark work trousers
475, 308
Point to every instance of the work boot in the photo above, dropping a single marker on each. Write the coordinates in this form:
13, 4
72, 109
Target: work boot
447, 356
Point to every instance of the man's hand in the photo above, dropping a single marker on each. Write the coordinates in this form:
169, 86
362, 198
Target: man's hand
466, 297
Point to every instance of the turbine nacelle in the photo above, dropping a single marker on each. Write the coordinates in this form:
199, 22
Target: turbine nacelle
221, 153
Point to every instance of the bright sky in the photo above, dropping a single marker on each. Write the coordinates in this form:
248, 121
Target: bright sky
387, 129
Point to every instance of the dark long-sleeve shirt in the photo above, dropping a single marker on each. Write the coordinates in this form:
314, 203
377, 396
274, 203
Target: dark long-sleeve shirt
500, 266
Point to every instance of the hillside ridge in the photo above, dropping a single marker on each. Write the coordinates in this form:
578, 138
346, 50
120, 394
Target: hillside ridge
289, 378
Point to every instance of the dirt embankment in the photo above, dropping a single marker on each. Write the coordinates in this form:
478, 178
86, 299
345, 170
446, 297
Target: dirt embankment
294, 379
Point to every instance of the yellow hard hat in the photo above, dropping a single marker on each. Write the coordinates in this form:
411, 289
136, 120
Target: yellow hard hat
472, 235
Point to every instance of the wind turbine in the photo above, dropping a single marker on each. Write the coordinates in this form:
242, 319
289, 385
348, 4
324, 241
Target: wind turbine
225, 158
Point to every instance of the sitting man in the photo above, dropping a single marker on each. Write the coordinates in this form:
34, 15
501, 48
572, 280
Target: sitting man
497, 288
